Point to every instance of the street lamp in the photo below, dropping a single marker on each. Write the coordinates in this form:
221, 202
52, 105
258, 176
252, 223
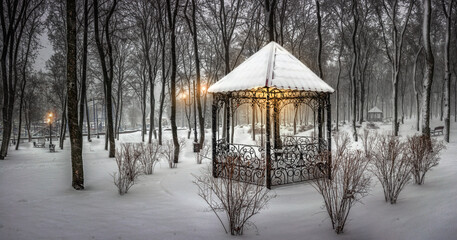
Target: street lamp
49, 121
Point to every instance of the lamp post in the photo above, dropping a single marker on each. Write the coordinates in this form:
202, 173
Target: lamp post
49, 120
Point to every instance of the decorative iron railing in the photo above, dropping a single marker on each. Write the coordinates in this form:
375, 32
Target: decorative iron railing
298, 160
240, 162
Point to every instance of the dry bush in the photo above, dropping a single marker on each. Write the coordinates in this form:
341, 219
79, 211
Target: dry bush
342, 142
239, 201
205, 152
424, 153
368, 139
167, 153
182, 144
149, 156
349, 184
127, 159
391, 166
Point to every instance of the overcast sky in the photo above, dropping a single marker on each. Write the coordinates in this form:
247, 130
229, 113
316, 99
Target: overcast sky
44, 53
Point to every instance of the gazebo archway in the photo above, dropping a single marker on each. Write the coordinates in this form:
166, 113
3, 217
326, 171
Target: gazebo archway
277, 81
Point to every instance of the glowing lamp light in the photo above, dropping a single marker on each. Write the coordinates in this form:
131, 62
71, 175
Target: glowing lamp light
49, 120
204, 88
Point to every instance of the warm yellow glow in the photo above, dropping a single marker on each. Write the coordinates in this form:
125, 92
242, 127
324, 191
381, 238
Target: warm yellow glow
49, 120
183, 96
204, 88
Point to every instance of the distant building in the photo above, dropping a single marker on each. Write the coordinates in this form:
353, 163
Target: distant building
375, 115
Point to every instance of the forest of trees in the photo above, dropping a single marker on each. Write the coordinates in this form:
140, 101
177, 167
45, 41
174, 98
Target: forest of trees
119, 64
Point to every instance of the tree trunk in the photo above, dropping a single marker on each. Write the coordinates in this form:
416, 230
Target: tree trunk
172, 25
447, 72
87, 119
63, 127
82, 100
429, 65
416, 92
75, 132
353, 68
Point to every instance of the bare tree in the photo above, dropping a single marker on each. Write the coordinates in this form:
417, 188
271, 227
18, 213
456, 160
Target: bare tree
72, 90
394, 45
172, 12
416, 90
107, 69
13, 17
447, 71
355, 19
429, 65
192, 25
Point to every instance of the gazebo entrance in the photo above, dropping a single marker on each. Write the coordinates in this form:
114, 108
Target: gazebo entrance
271, 84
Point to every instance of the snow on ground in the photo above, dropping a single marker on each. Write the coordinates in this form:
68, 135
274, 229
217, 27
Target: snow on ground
37, 202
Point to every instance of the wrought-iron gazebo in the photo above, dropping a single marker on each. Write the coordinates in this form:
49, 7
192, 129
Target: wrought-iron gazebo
271, 79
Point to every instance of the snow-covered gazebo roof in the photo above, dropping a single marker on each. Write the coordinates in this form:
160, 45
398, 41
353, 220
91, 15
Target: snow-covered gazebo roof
375, 110
274, 67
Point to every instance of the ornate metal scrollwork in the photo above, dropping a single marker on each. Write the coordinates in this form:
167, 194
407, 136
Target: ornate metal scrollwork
298, 160
240, 162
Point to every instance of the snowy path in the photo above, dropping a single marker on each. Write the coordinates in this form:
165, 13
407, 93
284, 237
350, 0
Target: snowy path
37, 202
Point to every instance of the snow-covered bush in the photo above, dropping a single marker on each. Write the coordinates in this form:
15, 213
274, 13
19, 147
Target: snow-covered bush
167, 152
368, 139
239, 201
149, 156
205, 152
349, 184
424, 153
127, 159
182, 144
390, 164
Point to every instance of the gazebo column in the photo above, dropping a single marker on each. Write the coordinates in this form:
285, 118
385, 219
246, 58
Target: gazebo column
319, 124
276, 124
227, 118
214, 132
329, 136
267, 142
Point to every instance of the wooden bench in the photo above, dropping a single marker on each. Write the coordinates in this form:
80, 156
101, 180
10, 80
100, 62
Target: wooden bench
437, 131
52, 147
39, 144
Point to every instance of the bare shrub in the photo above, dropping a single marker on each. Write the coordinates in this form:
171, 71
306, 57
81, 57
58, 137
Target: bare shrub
127, 165
149, 156
424, 154
349, 184
205, 152
167, 153
239, 201
368, 139
182, 144
342, 142
391, 166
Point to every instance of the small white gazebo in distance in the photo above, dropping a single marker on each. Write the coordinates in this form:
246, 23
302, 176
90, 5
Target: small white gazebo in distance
374, 115
271, 78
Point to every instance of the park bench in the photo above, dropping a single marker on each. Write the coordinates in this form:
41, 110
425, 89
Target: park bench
52, 147
39, 144
437, 131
